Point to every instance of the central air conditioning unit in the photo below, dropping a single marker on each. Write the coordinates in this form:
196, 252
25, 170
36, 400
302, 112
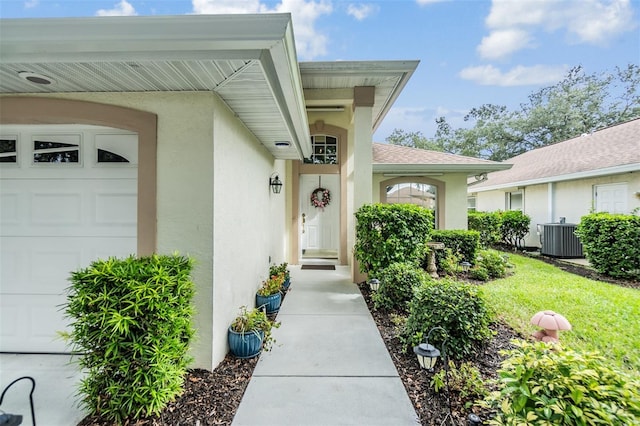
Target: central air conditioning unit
560, 240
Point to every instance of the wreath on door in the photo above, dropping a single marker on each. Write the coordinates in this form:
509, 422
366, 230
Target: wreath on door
320, 201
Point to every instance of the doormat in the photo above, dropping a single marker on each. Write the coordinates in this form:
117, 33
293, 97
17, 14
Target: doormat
320, 267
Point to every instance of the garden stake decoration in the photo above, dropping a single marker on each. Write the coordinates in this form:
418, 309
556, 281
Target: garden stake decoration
551, 322
428, 356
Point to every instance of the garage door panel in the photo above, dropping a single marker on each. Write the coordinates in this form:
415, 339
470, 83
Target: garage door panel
31, 323
43, 265
56, 218
47, 208
56, 209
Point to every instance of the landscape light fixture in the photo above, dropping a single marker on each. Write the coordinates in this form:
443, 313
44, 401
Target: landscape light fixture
374, 284
275, 183
428, 356
465, 266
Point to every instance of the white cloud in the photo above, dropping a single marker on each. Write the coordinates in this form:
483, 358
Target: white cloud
30, 4
124, 8
310, 42
425, 2
501, 43
488, 75
361, 11
583, 21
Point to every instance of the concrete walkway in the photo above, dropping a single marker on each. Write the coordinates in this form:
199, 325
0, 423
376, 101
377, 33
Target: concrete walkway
329, 365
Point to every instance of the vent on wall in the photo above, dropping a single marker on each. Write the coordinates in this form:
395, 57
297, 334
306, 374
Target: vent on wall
560, 240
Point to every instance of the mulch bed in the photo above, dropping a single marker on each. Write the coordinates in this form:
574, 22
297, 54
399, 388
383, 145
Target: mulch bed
212, 397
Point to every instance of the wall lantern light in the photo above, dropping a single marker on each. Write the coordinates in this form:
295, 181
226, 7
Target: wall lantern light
275, 183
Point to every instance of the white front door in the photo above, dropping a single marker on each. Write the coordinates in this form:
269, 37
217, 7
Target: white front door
68, 196
320, 230
611, 198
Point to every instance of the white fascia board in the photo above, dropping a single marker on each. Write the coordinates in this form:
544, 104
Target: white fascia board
634, 167
283, 74
470, 169
142, 37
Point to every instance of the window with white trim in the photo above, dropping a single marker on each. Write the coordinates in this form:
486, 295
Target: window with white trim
514, 201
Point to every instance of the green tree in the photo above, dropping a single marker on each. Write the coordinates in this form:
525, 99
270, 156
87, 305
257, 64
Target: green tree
579, 103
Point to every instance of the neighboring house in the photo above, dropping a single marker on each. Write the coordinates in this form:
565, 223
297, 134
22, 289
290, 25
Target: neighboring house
594, 172
138, 135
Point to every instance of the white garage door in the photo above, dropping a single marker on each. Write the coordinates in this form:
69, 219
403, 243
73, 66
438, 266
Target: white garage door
68, 196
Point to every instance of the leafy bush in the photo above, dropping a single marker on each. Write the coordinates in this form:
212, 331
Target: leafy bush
466, 381
450, 264
390, 233
514, 226
488, 225
455, 306
397, 283
490, 264
612, 243
131, 321
543, 384
461, 242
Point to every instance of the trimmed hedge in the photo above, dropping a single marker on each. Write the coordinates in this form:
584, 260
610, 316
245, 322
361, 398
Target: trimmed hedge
514, 226
390, 233
397, 284
131, 323
457, 307
612, 243
461, 242
488, 225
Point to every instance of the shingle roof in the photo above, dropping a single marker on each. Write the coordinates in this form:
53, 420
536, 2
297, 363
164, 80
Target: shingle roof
588, 155
395, 154
402, 160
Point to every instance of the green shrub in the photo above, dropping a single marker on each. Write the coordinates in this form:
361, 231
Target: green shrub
543, 384
397, 283
465, 381
488, 225
390, 233
455, 306
131, 321
461, 242
490, 264
450, 264
612, 243
514, 226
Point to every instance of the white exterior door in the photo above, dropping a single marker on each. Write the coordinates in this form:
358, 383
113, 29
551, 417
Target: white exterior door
320, 231
611, 198
68, 196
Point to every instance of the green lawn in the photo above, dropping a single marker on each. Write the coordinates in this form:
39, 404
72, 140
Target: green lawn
605, 317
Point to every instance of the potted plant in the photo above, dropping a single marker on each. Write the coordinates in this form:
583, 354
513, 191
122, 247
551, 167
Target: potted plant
268, 295
250, 332
281, 269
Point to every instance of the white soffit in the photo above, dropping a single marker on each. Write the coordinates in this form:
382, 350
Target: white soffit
248, 60
388, 78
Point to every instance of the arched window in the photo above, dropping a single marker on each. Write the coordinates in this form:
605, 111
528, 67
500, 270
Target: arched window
421, 191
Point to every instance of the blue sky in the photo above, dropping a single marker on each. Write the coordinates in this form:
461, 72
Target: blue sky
471, 51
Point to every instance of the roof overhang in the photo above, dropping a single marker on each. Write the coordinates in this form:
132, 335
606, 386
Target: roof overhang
248, 60
431, 169
626, 168
329, 85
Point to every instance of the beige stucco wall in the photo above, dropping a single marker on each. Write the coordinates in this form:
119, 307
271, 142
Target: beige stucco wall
205, 156
249, 221
573, 199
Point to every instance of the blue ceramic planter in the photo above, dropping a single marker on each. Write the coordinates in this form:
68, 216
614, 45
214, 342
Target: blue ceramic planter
286, 284
245, 345
271, 303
